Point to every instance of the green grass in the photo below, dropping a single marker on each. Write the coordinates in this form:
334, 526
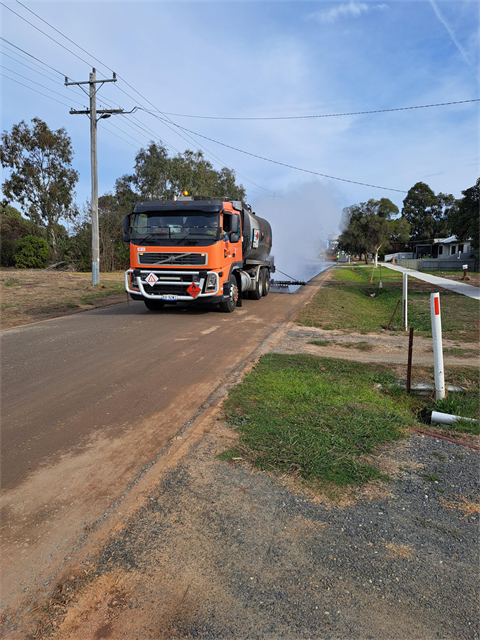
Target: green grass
346, 303
466, 405
362, 346
316, 417
364, 273
10, 305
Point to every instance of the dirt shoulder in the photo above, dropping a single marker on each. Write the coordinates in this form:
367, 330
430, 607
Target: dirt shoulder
32, 295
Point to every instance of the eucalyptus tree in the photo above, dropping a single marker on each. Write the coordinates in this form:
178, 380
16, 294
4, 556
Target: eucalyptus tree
42, 178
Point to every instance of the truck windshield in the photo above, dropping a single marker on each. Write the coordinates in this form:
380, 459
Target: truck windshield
172, 228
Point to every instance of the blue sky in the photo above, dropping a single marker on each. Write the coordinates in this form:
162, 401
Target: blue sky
261, 59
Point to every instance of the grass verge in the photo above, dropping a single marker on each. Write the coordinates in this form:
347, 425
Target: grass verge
322, 419
348, 302
318, 418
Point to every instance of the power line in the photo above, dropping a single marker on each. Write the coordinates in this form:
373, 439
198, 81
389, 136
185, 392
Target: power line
63, 35
45, 34
35, 70
284, 164
29, 54
10, 51
117, 136
167, 118
125, 133
106, 66
32, 89
324, 115
39, 84
197, 144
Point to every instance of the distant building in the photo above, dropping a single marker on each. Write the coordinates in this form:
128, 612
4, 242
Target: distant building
444, 248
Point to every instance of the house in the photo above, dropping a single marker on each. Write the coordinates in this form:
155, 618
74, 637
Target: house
444, 249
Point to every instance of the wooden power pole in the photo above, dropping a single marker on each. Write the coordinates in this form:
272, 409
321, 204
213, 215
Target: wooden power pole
92, 113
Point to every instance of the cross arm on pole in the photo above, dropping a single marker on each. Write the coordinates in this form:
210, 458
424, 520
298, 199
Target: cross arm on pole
114, 79
75, 112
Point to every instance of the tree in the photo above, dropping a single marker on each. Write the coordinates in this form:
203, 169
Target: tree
368, 227
465, 219
31, 253
152, 171
426, 212
42, 178
14, 226
157, 176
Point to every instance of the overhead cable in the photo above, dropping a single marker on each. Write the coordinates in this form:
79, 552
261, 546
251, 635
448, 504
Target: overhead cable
31, 56
45, 34
39, 84
284, 164
119, 77
36, 71
323, 115
32, 89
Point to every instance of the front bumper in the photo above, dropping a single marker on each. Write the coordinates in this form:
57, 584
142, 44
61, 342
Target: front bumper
171, 283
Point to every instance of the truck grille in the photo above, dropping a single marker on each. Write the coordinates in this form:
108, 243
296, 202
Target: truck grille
154, 258
170, 289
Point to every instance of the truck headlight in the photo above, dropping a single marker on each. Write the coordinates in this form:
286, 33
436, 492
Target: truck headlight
211, 281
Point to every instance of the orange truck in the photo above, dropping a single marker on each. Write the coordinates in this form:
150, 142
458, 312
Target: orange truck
197, 250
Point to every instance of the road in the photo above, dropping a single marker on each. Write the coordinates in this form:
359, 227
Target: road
88, 403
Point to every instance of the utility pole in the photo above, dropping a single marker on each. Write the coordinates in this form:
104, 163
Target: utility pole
92, 113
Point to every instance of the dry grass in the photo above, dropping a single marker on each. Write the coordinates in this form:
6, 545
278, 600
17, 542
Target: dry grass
468, 507
30, 295
399, 550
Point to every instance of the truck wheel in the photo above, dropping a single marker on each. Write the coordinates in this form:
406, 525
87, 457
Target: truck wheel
266, 282
154, 305
231, 303
257, 293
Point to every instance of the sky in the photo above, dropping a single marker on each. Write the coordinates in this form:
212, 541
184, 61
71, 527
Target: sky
261, 60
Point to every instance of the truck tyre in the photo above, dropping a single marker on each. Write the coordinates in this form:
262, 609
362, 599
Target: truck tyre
266, 281
154, 305
257, 293
231, 303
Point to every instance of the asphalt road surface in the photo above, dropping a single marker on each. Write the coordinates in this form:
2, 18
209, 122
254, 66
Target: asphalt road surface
88, 403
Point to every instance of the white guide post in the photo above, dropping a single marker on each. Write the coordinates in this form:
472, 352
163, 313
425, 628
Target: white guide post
404, 300
437, 346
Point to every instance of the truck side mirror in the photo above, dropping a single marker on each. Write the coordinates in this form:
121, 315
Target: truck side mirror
235, 225
234, 236
126, 228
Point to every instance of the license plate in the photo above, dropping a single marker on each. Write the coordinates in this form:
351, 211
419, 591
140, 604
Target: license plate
169, 296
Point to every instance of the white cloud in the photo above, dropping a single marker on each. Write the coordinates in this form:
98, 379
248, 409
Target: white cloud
351, 9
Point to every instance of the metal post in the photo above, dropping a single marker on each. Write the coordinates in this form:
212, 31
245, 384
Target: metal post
404, 300
409, 365
437, 346
94, 203
381, 284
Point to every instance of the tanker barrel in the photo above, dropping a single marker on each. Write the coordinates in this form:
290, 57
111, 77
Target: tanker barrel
257, 234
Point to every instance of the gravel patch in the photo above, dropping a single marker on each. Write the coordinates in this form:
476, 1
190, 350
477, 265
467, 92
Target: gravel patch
221, 551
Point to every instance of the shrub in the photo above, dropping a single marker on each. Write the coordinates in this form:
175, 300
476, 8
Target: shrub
31, 253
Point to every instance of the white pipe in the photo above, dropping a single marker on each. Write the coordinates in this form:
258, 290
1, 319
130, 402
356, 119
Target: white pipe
448, 418
404, 300
437, 346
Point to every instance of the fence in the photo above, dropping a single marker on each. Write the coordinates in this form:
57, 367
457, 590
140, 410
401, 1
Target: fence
438, 265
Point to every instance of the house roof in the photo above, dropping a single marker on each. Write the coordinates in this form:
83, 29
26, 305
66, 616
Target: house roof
449, 240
